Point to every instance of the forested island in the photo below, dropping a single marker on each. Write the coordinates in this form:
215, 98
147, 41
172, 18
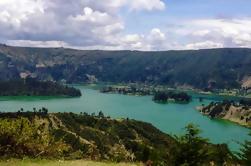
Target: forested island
235, 111
169, 96
159, 94
130, 89
32, 87
39, 134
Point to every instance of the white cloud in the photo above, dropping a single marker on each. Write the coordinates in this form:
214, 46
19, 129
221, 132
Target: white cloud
31, 43
147, 5
201, 32
243, 40
154, 40
15, 12
85, 24
156, 35
203, 45
133, 5
132, 42
231, 32
211, 33
79, 24
90, 16
132, 38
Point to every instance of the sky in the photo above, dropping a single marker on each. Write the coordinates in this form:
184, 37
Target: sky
149, 25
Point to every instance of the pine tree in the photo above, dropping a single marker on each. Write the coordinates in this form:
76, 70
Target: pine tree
192, 151
245, 154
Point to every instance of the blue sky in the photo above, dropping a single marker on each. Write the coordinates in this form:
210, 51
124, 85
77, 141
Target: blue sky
126, 24
177, 10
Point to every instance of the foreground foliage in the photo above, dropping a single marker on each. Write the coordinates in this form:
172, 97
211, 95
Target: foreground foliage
96, 137
42, 162
196, 151
20, 137
245, 154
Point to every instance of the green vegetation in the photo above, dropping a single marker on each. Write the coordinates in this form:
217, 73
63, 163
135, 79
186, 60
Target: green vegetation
245, 102
40, 162
245, 154
180, 97
204, 69
128, 90
197, 151
31, 87
22, 138
70, 136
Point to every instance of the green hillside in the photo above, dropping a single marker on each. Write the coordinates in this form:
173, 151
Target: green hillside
213, 68
68, 136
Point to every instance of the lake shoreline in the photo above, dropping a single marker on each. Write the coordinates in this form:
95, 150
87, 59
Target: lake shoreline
228, 112
163, 116
149, 89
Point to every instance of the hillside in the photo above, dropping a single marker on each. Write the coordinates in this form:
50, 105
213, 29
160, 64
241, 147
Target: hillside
37, 162
70, 136
236, 112
212, 68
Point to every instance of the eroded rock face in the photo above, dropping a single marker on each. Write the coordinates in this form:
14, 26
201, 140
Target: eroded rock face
246, 82
238, 114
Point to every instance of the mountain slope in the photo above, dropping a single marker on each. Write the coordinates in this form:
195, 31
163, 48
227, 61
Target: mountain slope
71, 136
213, 68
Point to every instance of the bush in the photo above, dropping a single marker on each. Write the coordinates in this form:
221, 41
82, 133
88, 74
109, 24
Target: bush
20, 138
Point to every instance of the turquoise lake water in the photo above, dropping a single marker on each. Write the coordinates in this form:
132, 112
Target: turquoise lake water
170, 118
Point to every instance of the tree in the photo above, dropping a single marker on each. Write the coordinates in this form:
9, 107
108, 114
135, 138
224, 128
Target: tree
101, 114
192, 150
245, 154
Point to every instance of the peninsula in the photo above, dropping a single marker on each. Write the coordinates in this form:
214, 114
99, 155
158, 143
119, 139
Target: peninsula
238, 112
32, 87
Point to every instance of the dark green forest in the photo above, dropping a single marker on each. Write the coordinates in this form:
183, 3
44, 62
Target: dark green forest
164, 97
32, 87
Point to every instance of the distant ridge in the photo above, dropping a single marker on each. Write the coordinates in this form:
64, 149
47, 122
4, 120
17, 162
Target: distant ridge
208, 68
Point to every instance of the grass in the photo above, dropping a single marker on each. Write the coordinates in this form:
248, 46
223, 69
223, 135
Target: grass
37, 162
